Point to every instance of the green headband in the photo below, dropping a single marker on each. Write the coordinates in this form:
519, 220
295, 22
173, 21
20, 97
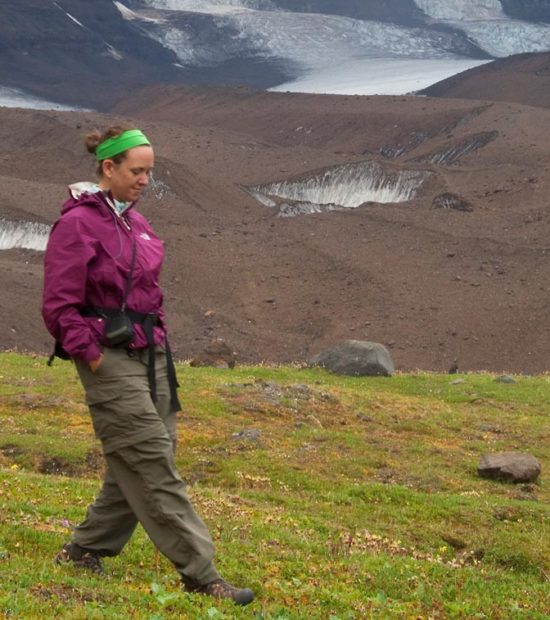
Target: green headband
118, 144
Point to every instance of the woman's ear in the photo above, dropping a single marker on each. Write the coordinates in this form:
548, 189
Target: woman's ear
107, 168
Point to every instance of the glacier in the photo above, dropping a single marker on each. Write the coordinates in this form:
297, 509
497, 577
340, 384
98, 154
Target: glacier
337, 54
316, 52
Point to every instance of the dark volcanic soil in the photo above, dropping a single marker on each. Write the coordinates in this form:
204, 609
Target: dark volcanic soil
524, 78
433, 284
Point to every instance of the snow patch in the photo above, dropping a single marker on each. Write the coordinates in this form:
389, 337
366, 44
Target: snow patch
28, 235
130, 15
347, 186
75, 20
15, 98
114, 53
71, 17
212, 7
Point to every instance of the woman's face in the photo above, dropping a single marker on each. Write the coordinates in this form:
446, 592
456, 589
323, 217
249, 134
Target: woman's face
130, 177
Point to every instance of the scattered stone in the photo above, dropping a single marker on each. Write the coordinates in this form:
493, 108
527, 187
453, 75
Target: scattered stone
452, 201
507, 513
249, 434
356, 358
10, 449
56, 466
505, 379
314, 421
217, 354
364, 418
94, 460
301, 391
454, 542
489, 428
386, 475
509, 467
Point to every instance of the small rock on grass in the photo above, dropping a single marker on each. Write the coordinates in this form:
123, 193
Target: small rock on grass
509, 467
505, 379
249, 434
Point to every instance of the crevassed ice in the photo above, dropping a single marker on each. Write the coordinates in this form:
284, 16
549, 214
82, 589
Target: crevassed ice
28, 235
485, 22
312, 40
348, 186
461, 9
503, 38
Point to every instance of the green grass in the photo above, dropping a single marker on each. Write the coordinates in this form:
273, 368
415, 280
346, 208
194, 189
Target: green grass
360, 498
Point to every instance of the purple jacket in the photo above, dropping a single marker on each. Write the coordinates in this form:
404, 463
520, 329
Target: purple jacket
86, 264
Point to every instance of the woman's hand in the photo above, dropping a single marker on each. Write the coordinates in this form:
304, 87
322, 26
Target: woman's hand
95, 364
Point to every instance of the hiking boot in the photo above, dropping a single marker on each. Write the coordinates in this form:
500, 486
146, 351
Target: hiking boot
220, 589
79, 557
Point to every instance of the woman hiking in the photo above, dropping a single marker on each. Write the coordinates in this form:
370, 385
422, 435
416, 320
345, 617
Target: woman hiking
103, 305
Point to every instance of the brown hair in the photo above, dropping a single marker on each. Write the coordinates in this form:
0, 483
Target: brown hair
93, 139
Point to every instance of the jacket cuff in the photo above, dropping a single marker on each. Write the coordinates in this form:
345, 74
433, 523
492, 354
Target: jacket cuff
93, 352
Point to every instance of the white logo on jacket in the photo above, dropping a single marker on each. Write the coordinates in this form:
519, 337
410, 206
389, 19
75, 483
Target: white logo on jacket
145, 236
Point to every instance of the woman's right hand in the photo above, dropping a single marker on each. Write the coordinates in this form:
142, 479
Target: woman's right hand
95, 364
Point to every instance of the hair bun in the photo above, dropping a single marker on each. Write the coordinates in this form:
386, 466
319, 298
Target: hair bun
92, 140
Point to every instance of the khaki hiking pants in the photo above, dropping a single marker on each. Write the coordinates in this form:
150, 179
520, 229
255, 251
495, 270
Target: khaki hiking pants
141, 482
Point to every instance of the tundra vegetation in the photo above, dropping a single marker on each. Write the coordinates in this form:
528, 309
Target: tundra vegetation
333, 498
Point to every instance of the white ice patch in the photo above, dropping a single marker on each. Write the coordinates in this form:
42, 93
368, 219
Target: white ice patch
71, 17
75, 20
378, 76
346, 186
15, 98
212, 7
130, 15
113, 52
461, 9
28, 235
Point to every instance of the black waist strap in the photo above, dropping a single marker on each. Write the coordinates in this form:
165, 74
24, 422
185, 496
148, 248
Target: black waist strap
148, 322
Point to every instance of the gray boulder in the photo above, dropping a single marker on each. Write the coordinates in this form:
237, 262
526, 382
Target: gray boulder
356, 358
509, 467
217, 354
505, 379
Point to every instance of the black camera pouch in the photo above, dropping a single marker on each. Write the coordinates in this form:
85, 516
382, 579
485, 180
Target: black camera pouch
119, 329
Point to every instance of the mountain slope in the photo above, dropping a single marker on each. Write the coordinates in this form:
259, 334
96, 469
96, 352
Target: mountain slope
93, 54
428, 277
524, 79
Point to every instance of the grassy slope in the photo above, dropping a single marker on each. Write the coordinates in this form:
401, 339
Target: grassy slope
359, 499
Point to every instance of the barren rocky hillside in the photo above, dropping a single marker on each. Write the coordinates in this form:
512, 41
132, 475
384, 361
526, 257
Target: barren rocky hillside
457, 270
524, 78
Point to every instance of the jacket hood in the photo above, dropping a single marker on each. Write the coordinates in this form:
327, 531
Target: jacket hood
89, 194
